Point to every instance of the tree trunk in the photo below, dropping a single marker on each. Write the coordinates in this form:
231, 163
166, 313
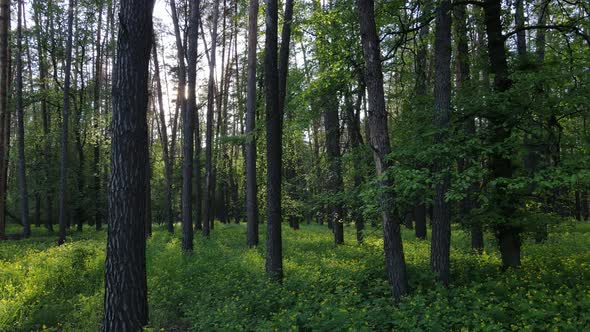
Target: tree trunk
519, 23
96, 124
501, 165
379, 133
4, 111
125, 300
189, 124
356, 140
274, 147
251, 185
63, 206
441, 222
208, 212
22, 178
164, 142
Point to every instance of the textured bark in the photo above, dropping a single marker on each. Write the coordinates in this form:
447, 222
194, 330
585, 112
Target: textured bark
125, 301
441, 222
251, 185
208, 197
22, 178
4, 111
274, 147
79, 211
64, 168
501, 165
189, 124
377, 117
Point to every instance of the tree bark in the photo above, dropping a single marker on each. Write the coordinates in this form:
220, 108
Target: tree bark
4, 111
500, 165
274, 147
63, 208
441, 223
208, 212
125, 301
96, 124
251, 185
377, 116
189, 124
22, 178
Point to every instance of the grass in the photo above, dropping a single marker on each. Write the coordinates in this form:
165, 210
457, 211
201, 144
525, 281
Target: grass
221, 285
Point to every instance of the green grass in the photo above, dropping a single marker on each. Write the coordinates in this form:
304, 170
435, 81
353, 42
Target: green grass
222, 286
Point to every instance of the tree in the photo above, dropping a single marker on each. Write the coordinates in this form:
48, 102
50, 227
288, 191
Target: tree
441, 223
125, 300
208, 213
274, 147
188, 123
394, 254
63, 182
250, 151
501, 123
4, 112
22, 179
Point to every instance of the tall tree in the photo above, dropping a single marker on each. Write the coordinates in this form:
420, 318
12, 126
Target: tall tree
4, 112
501, 127
463, 75
441, 223
163, 141
251, 185
274, 147
96, 120
208, 212
379, 132
189, 128
63, 182
125, 300
22, 178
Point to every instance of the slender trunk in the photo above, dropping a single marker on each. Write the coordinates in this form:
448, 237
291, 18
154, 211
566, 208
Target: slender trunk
164, 142
63, 209
354, 132
4, 111
208, 213
96, 124
22, 178
519, 22
463, 75
274, 147
251, 185
394, 254
441, 224
125, 300
189, 124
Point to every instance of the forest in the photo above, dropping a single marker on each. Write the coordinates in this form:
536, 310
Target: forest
294, 165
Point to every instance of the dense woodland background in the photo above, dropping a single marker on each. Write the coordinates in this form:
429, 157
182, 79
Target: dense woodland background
458, 120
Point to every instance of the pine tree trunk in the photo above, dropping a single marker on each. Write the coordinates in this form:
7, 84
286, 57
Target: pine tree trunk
251, 185
4, 111
22, 178
274, 147
64, 168
394, 255
125, 300
208, 197
96, 124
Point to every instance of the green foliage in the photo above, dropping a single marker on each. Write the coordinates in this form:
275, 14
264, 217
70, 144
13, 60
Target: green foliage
221, 286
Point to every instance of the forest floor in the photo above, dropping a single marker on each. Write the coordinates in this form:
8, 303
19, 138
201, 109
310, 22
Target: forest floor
222, 285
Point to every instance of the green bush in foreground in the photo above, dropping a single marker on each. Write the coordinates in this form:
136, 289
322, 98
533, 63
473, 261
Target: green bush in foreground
222, 285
